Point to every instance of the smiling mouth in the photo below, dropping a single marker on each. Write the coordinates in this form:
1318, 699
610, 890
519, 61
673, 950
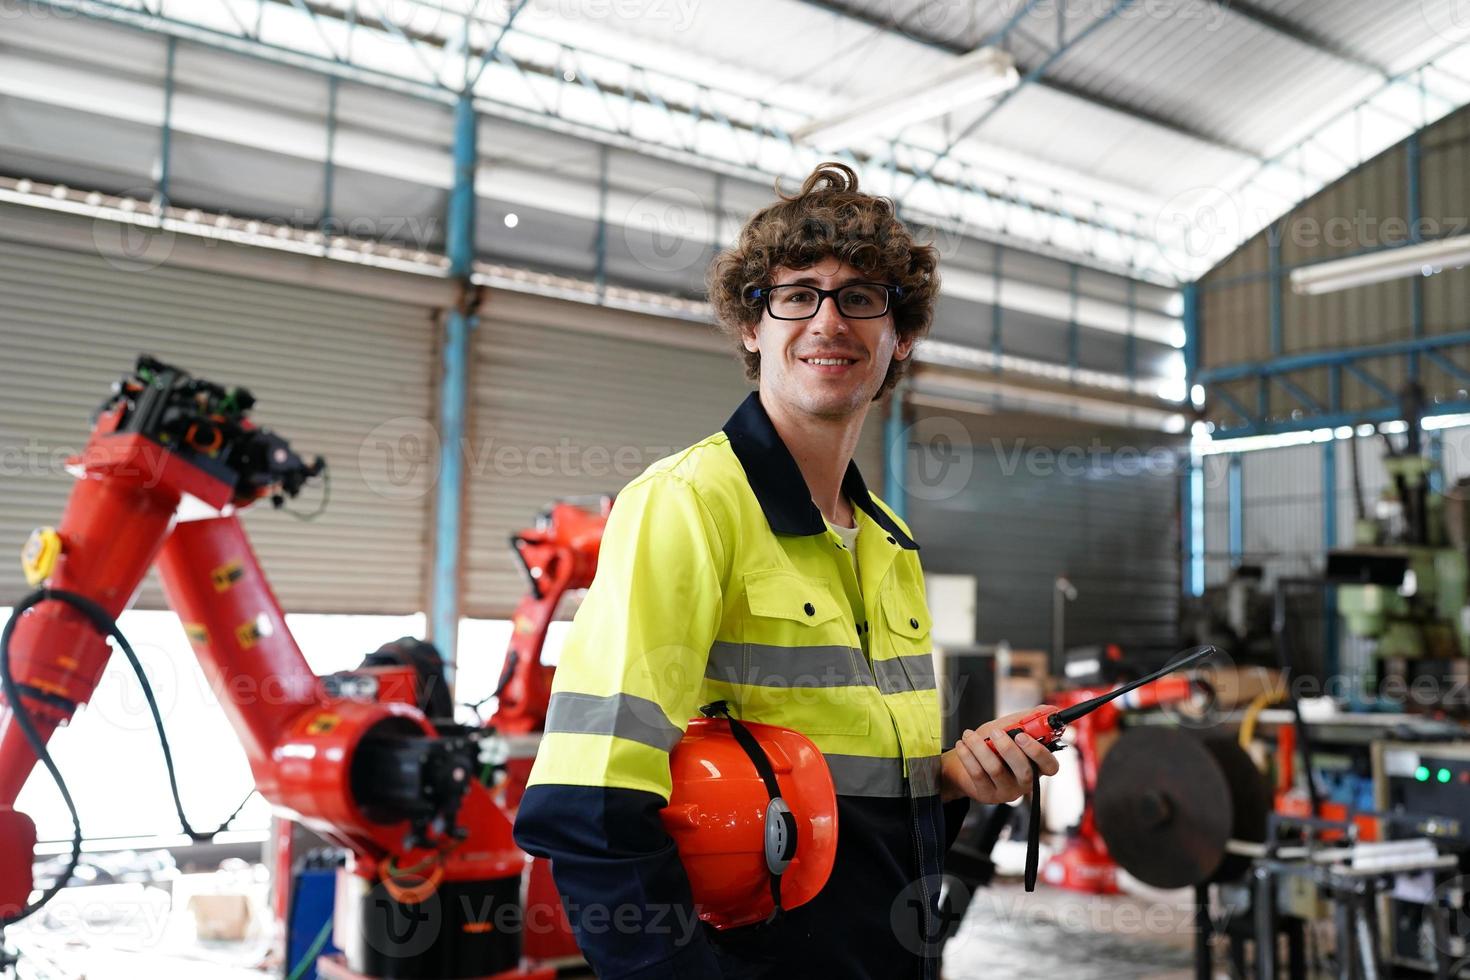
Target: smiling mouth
829, 361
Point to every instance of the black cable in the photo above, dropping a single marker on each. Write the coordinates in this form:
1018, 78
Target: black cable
22, 717
321, 507
107, 626
505, 677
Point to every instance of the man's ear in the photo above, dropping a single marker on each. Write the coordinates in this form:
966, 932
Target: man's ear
903, 348
747, 337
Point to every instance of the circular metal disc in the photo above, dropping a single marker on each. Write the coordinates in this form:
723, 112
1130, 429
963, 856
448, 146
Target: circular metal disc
1163, 807
1250, 801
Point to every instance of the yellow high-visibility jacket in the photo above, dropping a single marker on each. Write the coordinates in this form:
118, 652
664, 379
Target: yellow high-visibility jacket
718, 579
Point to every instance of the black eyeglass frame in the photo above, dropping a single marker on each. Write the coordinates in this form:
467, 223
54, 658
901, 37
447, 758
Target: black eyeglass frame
891, 291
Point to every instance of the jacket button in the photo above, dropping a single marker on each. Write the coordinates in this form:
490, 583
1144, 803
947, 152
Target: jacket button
810, 609
892, 539
913, 623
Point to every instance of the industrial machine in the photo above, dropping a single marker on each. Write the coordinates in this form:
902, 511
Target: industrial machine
1370, 892
1427, 785
1402, 585
433, 871
1234, 616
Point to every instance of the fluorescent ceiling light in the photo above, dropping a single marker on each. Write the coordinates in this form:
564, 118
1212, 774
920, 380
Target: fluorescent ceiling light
1394, 263
980, 75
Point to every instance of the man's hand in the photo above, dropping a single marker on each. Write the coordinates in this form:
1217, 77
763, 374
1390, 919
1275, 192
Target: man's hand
971, 769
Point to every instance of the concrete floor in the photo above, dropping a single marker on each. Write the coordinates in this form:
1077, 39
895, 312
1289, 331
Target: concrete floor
1009, 934
126, 931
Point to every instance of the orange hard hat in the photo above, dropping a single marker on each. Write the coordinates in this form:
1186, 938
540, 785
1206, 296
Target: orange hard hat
754, 815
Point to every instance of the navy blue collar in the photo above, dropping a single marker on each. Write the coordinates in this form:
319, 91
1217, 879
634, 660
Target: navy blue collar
778, 484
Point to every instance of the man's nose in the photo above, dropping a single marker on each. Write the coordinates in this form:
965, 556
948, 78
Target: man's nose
828, 320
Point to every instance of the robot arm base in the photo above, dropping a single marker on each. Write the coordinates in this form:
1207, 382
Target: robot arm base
19, 834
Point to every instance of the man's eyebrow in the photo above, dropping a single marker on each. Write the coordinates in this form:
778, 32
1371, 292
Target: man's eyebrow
812, 281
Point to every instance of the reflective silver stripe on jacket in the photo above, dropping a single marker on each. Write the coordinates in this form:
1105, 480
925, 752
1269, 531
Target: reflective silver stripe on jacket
624, 715
860, 775
924, 775
764, 665
914, 672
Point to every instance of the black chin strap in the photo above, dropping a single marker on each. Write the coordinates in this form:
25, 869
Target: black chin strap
780, 830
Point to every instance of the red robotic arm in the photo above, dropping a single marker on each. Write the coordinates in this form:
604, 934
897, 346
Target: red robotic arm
558, 555
377, 777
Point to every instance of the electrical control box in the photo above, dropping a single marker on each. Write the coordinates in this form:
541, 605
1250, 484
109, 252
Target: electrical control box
1425, 788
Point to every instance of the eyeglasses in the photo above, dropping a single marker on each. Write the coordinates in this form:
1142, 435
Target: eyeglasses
855, 300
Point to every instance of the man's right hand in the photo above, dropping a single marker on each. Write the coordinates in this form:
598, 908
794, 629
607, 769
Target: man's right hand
972, 769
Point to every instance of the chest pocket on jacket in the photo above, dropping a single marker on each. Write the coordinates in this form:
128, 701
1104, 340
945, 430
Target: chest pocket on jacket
795, 667
908, 663
909, 622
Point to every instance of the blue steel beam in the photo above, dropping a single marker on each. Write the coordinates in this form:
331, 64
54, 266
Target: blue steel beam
1236, 502
1295, 391
997, 313
1192, 328
1436, 453
600, 246
494, 49
1130, 342
1447, 366
1193, 515
1299, 362
329, 165
1415, 166
1329, 540
454, 389
1333, 420
166, 137
1072, 326
1383, 390
1234, 404
1276, 283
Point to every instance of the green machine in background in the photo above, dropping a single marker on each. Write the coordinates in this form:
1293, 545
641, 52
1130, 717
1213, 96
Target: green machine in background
1404, 581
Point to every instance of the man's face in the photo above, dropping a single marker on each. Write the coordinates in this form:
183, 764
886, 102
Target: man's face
797, 356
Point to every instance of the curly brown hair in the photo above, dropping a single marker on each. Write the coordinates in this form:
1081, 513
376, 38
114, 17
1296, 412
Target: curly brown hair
828, 217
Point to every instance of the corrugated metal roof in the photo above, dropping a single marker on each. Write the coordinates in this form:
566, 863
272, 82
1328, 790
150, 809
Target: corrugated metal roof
1131, 112
1228, 76
1158, 97
1374, 30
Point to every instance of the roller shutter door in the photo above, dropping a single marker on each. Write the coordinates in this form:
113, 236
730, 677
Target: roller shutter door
1111, 528
331, 371
571, 400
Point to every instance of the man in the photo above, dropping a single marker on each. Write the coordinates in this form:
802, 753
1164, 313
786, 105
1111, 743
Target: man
755, 567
